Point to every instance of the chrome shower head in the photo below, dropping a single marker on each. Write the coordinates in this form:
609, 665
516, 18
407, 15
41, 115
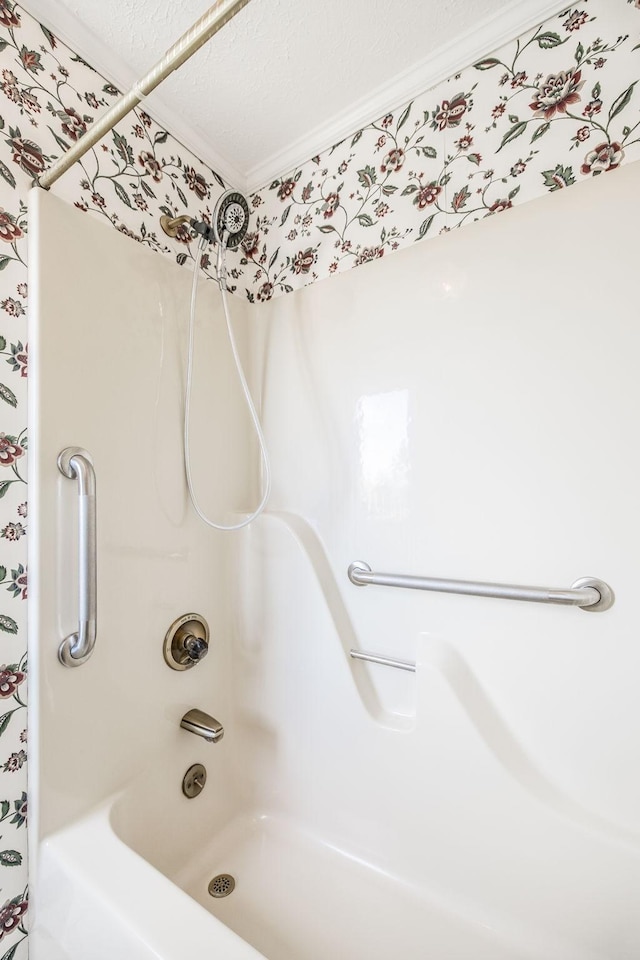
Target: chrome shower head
230, 219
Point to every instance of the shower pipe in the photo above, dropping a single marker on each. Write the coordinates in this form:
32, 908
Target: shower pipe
588, 593
213, 20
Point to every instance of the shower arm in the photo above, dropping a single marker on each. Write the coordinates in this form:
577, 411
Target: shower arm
213, 20
171, 225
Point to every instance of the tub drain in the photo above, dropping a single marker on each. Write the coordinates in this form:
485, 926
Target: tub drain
222, 885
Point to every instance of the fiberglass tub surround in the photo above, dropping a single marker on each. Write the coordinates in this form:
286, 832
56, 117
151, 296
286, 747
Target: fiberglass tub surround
429, 414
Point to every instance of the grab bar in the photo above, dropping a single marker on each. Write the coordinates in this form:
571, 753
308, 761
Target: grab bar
588, 593
385, 661
75, 463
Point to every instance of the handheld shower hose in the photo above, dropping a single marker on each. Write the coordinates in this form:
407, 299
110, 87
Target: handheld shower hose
223, 240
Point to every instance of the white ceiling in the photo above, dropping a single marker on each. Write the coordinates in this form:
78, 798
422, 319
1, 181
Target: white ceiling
285, 78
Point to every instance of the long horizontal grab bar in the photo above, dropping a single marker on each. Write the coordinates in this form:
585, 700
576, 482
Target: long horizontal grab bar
385, 661
588, 593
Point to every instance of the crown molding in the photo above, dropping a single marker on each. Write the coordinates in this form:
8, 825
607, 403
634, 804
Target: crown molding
449, 59
56, 17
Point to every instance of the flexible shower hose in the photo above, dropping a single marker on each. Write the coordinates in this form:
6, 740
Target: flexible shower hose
221, 266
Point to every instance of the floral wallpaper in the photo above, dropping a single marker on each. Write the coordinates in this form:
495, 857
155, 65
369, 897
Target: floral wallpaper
549, 109
553, 107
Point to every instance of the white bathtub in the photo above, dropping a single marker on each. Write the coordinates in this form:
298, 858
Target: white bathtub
130, 880
296, 898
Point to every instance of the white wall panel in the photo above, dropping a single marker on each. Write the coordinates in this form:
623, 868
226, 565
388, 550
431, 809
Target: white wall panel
109, 346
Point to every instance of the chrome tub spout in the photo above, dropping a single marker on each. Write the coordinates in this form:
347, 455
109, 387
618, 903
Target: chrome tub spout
200, 723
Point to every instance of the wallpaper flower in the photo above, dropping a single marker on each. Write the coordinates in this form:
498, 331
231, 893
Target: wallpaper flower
544, 112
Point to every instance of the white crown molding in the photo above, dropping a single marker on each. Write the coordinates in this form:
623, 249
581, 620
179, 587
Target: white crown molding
512, 21
56, 17
445, 62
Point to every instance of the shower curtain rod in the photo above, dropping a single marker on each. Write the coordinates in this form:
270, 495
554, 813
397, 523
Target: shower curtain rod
213, 20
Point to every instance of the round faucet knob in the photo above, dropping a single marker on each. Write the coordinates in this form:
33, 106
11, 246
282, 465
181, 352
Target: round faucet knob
195, 647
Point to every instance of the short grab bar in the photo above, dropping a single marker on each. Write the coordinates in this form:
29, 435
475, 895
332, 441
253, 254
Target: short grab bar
588, 593
385, 661
75, 463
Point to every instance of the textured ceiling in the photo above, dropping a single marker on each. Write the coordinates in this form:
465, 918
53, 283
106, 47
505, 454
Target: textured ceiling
274, 80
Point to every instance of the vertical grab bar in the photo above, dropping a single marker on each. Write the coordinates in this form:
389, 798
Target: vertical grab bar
75, 463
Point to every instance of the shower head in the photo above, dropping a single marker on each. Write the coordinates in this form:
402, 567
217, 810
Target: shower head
230, 219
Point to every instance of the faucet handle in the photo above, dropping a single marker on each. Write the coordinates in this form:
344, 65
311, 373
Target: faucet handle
186, 642
196, 648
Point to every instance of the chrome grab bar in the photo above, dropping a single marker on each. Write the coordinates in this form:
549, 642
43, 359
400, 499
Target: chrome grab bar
588, 593
385, 661
75, 463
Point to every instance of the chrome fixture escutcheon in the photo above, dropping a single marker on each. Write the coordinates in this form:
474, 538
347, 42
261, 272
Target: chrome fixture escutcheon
186, 642
194, 780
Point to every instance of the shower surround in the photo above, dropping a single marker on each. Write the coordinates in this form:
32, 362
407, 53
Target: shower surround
483, 807
553, 108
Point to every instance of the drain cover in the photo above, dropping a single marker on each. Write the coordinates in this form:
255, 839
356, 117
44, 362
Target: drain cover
222, 885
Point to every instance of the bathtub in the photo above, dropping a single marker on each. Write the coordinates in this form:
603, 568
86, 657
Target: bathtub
296, 898
122, 883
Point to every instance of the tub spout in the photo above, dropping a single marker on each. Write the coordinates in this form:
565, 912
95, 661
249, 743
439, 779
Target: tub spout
200, 723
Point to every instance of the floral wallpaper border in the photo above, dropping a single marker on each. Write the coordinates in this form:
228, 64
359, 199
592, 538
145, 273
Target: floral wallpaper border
553, 107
